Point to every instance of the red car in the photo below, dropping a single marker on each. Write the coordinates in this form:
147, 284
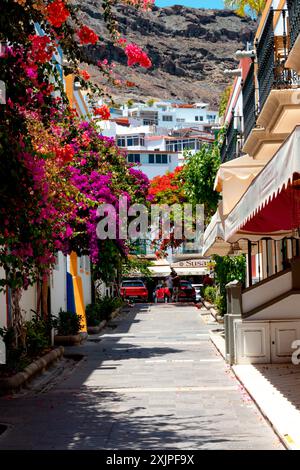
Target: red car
134, 290
186, 292
161, 294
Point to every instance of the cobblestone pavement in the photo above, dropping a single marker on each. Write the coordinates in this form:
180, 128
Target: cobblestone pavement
153, 381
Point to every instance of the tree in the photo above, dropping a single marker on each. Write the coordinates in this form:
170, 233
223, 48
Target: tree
242, 7
228, 269
199, 175
224, 101
51, 163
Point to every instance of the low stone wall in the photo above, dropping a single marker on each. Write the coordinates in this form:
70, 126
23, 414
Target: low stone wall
11, 384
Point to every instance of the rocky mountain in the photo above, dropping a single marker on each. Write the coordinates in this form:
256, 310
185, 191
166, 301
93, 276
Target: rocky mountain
189, 49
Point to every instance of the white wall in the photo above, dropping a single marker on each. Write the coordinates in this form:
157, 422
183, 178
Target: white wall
58, 285
286, 309
159, 143
29, 302
266, 292
86, 280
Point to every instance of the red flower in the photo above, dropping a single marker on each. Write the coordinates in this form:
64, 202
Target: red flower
64, 154
57, 13
87, 35
103, 112
85, 75
41, 49
135, 55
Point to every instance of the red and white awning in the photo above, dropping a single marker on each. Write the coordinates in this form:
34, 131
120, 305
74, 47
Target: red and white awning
271, 204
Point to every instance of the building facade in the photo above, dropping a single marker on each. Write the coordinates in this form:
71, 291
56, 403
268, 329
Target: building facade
259, 181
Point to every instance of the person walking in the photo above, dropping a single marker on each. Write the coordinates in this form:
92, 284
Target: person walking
170, 285
176, 285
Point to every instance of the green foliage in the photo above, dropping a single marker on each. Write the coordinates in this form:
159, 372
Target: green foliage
221, 304
134, 264
130, 103
210, 294
92, 315
102, 309
37, 335
67, 323
244, 7
227, 269
199, 175
150, 102
224, 100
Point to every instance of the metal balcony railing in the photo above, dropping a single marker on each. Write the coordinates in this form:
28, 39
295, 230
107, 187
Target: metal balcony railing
249, 104
272, 52
266, 60
294, 20
231, 136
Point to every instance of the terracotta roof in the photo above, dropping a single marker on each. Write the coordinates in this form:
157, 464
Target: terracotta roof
187, 106
155, 137
121, 121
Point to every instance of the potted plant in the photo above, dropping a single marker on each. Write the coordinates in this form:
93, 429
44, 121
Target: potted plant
68, 326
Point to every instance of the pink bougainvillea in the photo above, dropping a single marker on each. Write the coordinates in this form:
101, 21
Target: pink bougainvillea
135, 55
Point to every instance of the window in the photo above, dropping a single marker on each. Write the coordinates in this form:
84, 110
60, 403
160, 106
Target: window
133, 284
136, 141
130, 142
167, 118
158, 159
121, 142
134, 158
196, 118
180, 120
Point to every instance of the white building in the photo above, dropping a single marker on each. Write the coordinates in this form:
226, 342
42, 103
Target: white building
172, 115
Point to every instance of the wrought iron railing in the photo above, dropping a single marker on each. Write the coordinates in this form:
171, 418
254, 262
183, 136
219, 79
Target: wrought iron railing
249, 104
294, 20
272, 53
266, 59
231, 135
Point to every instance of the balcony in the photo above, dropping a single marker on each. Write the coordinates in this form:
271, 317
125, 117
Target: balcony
249, 105
294, 20
229, 147
293, 61
278, 109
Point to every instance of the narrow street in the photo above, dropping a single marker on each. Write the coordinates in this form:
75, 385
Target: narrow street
153, 381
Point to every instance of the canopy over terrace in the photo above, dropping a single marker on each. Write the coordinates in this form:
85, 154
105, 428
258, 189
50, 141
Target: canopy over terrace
234, 177
271, 205
214, 237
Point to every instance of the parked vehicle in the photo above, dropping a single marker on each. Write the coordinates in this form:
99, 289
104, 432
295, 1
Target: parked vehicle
198, 289
161, 294
134, 290
186, 292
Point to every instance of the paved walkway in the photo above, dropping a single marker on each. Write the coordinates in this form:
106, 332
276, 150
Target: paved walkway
153, 381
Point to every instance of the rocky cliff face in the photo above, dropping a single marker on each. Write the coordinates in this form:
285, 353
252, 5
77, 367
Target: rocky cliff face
189, 49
